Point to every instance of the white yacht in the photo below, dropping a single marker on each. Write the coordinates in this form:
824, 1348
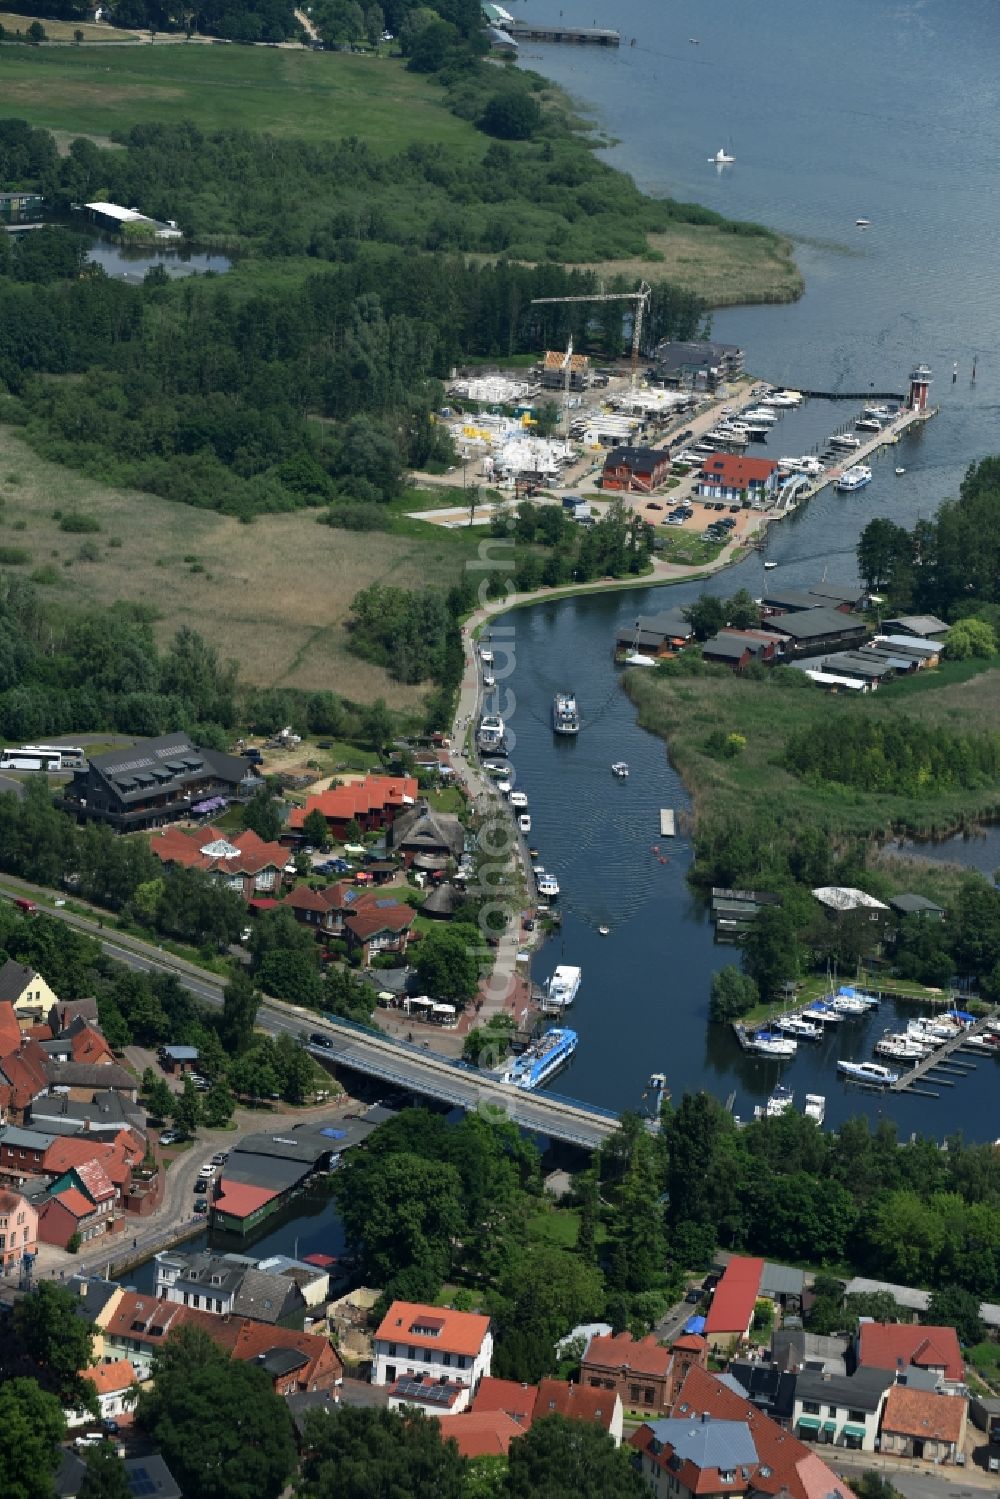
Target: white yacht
547, 885
848, 1004
868, 424
761, 415
845, 440
779, 1102
782, 398
770, 1044
524, 822
854, 478
815, 1107
868, 1072
562, 988
802, 1030
565, 714
900, 1049
722, 158
620, 769
519, 799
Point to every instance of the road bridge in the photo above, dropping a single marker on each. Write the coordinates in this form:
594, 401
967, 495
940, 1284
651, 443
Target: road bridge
398, 1063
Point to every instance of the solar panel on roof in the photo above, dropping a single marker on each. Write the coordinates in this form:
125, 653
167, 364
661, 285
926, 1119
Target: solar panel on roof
140, 1482
384, 905
434, 1394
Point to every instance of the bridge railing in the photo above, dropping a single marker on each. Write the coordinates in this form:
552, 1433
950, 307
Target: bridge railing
466, 1069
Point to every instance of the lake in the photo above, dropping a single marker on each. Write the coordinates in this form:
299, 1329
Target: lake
125, 263
832, 113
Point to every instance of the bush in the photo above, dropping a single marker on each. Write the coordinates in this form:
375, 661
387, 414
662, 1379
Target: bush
14, 556
79, 524
511, 117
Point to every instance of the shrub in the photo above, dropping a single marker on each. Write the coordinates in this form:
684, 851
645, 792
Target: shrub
14, 556
511, 117
78, 523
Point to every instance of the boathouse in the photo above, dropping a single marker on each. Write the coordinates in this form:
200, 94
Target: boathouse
814, 632
923, 626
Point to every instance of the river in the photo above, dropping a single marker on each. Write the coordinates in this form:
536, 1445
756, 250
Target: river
833, 113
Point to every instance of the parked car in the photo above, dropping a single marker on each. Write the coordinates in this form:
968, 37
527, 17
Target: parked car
220, 1157
200, 1187
207, 1171
693, 1297
734, 508
169, 1137
655, 505
201, 1207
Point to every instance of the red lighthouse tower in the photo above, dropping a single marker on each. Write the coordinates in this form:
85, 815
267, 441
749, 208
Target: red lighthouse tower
920, 384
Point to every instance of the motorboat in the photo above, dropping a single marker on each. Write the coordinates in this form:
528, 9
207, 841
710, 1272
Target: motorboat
769, 566
868, 424
620, 769
723, 437
778, 1103
822, 1011
868, 1072
488, 681
881, 413
762, 414
862, 223
802, 1030
985, 1042
524, 822
807, 464
562, 988
486, 656
636, 658
542, 1059
854, 478
845, 440
722, 158
900, 1049
848, 1004
604, 930
815, 1107
935, 1029
782, 398
565, 714
900, 472
504, 786
547, 885
770, 1044
519, 799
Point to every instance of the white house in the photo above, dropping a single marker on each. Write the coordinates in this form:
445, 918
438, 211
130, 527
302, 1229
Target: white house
838, 1411
427, 1345
117, 1389
208, 1282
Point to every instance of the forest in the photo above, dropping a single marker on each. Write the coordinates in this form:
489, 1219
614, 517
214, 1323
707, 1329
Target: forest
950, 564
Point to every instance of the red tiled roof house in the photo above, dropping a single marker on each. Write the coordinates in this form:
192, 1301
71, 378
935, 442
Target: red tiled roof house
372, 803
428, 1345
725, 477
918, 1423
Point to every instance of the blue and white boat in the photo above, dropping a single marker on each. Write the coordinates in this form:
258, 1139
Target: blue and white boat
542, 1059
854, 478
822, 1012
771, 1044
872, 1073
565, 714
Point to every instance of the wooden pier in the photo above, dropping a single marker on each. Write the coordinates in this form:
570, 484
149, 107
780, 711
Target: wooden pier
939, 1068
580, 36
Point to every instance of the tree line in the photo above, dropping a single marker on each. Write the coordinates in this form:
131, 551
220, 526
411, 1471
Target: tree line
896, 755
949, 565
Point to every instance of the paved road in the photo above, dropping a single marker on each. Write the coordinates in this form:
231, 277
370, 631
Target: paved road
915, 1481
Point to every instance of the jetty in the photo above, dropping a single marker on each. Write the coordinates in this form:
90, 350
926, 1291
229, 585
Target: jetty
580, 36
942, 1068
667, 828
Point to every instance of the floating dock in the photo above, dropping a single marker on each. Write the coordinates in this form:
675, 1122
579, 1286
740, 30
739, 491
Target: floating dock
889, 435
580, 36
667, 828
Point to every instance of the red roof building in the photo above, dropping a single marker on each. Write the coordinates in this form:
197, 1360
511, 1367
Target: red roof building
240, 1206
784, 1465
918, 1423
372, 803
635, 468
10, 1031
731, 1313
893, 1345
516, 1400
726, 477
486, 1433
244, 863
88, 1045
69, 1213
382, 925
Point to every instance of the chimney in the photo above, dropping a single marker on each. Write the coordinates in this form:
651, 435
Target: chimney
705, 1418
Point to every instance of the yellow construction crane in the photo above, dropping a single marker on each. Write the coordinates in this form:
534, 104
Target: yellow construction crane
641, 300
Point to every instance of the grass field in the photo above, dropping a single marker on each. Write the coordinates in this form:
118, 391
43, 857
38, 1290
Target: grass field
685, 710
314, 95
321, 96
273, 595
64, 31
